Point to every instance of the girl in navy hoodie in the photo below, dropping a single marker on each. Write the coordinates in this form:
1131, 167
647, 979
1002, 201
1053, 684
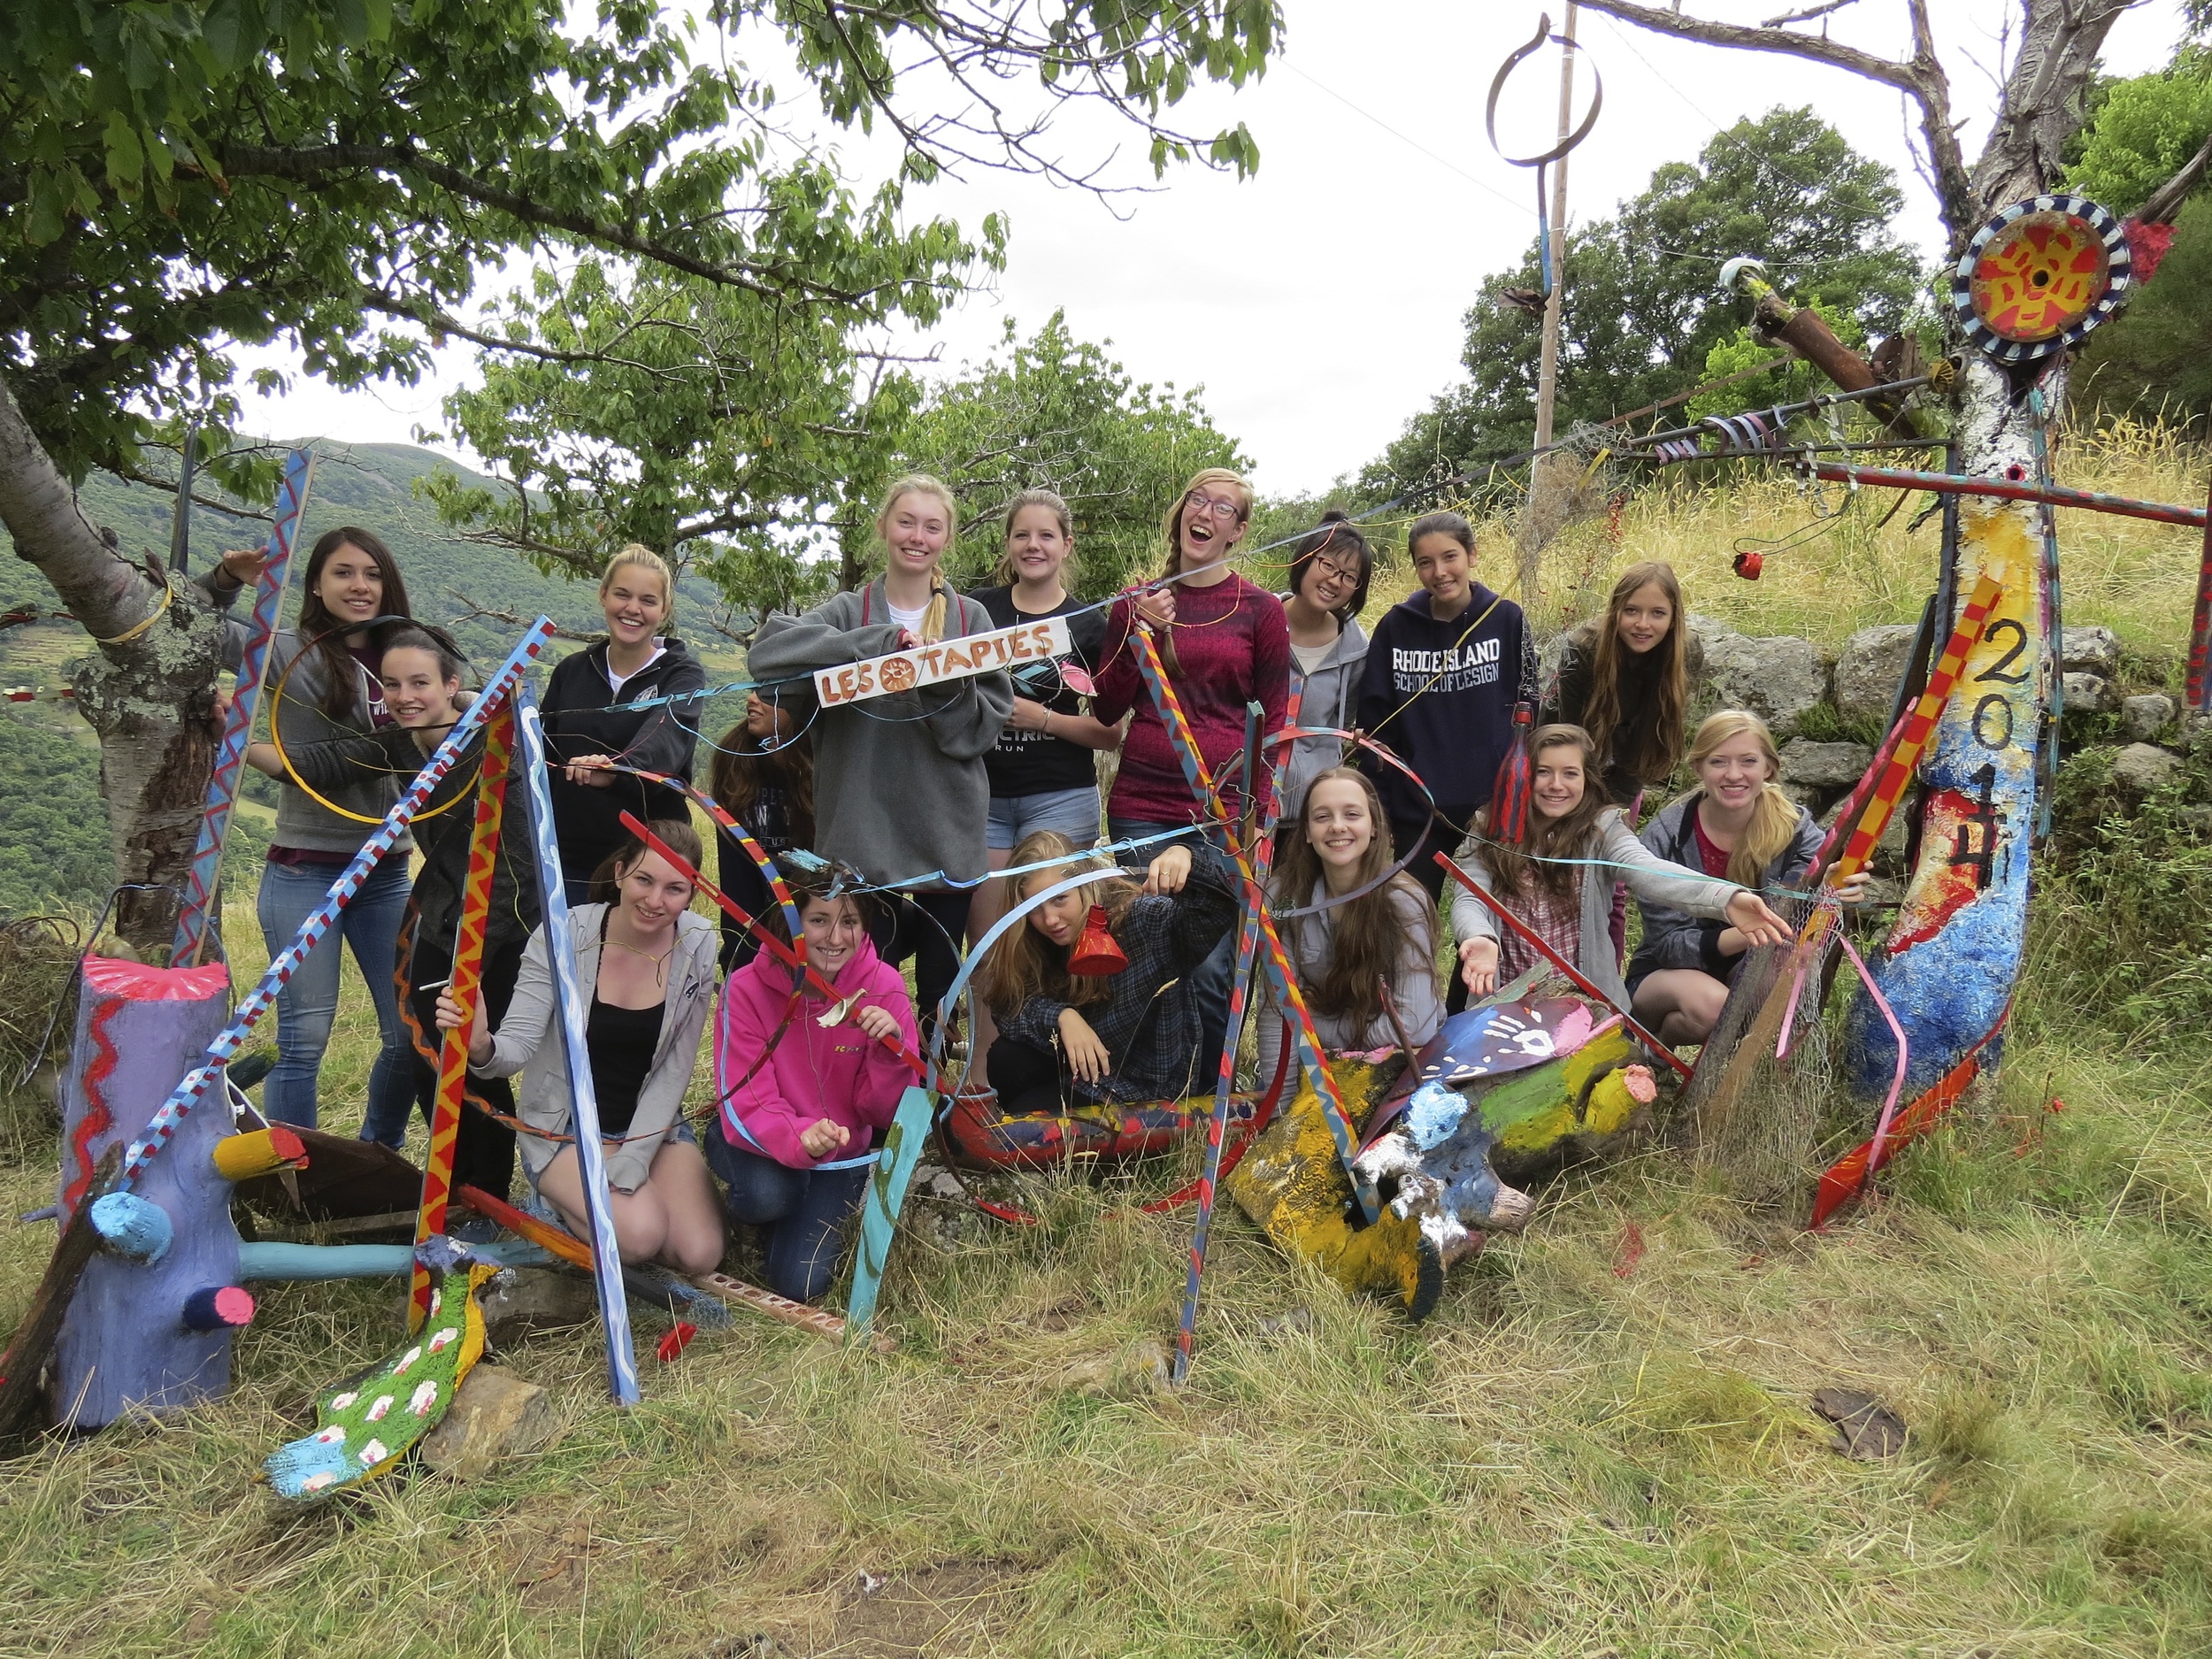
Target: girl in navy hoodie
1444, 670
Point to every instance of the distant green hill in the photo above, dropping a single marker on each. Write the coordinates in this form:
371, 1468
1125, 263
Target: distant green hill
53, 833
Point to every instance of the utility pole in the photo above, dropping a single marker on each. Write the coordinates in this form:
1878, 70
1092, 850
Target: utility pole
1547, 370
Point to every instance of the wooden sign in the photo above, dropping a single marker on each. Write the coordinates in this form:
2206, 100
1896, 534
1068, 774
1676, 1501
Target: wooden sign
948, 659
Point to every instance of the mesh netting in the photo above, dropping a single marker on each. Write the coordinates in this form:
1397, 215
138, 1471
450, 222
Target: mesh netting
1766, 1080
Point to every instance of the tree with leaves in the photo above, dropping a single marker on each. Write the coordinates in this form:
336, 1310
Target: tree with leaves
179, 175
1643, 305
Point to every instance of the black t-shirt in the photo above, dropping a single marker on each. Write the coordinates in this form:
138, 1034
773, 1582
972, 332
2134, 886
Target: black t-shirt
621, 1040
1030, 762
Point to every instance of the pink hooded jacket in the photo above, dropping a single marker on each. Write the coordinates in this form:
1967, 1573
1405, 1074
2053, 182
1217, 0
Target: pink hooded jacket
841, 1073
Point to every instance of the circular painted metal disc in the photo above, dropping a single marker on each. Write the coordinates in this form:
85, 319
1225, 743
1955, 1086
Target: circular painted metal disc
2039, 276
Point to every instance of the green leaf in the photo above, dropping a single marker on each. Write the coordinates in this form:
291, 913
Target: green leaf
229, 35
353, 21
127, 156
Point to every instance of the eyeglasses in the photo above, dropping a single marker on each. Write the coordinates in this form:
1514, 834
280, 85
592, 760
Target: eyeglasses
1334, 572
1228, 511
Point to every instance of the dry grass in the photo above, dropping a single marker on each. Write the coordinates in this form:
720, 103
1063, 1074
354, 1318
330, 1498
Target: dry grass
1576, 1457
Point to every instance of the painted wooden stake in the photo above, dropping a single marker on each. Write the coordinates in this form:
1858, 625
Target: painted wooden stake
468, 974
195, 914
560, 953
257, 1002
886, 1196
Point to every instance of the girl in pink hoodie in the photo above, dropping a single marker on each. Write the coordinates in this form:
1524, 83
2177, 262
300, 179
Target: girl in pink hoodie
806, 1088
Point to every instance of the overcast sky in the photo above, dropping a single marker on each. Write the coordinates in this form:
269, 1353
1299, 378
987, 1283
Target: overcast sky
1320, 302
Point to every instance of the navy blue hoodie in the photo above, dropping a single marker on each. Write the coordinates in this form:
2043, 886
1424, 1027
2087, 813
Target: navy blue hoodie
1442, 695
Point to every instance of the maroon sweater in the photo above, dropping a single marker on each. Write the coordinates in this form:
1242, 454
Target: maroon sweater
1233, 645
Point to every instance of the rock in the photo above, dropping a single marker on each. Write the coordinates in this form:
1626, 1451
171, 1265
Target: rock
495, 1415
2089, 694
1870, 669
2147, 716
1118, 1372
2090, 651
1297, 1322
1825, 765
1803, 794
524, 1301
1779, 678
2141, 767
2197, 819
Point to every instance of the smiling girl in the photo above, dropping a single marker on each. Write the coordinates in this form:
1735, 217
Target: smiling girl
1226, 645
803, 1082
1068, 1039
900, 786
1558, 878
420, 672
648, 963
590, 722
1346, 957
1329, 571
325, 678
1626, 679
1735, 822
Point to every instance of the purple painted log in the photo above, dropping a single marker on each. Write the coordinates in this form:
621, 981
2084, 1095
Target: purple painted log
124, 1344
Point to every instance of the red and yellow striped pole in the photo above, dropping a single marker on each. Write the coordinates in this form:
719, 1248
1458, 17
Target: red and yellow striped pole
468, 974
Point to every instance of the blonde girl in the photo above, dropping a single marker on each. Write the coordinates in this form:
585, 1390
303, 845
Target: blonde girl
1735, 822
592, 722
900, 786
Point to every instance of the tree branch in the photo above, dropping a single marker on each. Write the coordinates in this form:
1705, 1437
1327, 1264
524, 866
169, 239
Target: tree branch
1808, 14
2163, 203
104, 591
483, 612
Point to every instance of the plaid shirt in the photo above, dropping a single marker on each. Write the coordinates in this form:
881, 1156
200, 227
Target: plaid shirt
1149, 1019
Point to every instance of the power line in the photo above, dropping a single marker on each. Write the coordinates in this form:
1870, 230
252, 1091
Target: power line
1415, 143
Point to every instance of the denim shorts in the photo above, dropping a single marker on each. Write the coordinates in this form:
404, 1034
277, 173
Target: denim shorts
1074, 812
682, 1130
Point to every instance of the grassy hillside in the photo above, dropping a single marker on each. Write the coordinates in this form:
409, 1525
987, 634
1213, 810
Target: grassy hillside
54, 836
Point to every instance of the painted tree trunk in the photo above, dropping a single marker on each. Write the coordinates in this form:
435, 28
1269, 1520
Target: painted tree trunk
1948, 965
126, 1344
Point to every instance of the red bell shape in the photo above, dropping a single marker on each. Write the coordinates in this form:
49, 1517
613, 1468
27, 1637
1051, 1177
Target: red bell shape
1096, 953
1749, 564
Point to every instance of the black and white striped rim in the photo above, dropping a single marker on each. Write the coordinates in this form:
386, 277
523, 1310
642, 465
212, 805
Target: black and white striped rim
2119, 277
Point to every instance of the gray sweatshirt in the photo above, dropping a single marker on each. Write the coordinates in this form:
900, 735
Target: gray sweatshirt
292, 703
1327, 696
529, 1040
1649, 877
900, 788
1412, 987
1673, 939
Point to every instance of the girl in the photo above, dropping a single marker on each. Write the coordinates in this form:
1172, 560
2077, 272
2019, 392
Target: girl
650, 965
421, 675
901, 789
763, 775
1328, 651
1558, 880
1067, 1039
1735, 822
324, 675
589, 725
1043, 772
1348, 955
1444, 671
803, 1082
1226, 644
1626, 679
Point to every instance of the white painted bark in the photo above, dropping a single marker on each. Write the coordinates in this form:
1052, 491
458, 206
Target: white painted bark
151, 698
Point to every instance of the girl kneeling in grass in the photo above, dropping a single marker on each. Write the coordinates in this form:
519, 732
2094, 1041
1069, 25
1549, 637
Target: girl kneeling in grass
1736, 823
1348, 956
650, 964
1068, 1039
806, 1081
1558, 878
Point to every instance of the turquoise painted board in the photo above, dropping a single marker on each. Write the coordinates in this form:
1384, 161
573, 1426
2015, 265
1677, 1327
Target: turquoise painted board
887, 1194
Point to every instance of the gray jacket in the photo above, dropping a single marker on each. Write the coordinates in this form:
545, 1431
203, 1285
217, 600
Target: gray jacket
529, 1040
294, 696
1649, 877
1412, 987
1674, 939
900, 788
1327, 696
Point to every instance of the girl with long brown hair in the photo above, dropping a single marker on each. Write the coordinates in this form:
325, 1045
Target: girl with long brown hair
1557, 878
1227, 645
1736, 823
1625, 678
900, 790
763, 775
1350, 957
1068, 1038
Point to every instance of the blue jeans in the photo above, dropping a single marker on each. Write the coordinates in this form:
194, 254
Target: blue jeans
308, 1004
1211, 981
805, 1212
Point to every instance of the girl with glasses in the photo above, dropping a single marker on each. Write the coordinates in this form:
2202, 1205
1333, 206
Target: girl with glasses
1328, 650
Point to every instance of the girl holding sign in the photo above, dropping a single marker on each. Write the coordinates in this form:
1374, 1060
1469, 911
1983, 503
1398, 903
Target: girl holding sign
900, 791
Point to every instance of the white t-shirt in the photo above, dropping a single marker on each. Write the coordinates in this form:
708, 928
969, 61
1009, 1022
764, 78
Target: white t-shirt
615, 682
911, 620
1311, 657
